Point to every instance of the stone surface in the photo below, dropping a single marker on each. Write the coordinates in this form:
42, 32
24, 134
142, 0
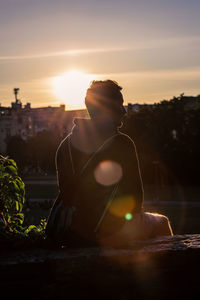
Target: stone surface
166, 267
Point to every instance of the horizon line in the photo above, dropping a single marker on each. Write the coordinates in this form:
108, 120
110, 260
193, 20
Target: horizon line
84, 108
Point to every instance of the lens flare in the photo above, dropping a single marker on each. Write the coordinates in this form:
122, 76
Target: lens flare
128, 216
122, 206
108, 172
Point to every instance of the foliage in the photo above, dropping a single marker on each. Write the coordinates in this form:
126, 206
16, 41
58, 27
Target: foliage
37, 153
12, 197
168, 134
16, 147
12, 192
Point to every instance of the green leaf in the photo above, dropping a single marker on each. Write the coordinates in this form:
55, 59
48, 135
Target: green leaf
11, 169
31, 227
17, 219
17, 206
2, 168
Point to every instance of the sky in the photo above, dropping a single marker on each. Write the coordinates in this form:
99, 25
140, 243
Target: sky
150, 47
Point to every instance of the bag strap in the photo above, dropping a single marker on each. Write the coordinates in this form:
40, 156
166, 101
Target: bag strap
114, 191
91, 157
77, 175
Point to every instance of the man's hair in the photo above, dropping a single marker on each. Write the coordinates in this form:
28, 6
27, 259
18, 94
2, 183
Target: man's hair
107, 85
103, 94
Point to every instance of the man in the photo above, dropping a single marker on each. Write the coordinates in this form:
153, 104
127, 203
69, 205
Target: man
98, 174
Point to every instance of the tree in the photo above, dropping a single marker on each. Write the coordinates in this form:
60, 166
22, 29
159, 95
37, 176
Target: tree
16, 149
167, 132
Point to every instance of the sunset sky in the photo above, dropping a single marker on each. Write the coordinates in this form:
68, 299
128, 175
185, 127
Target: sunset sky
151, 47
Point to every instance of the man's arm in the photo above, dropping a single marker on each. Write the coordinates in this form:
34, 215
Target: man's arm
60, 168
136, 183
60, 171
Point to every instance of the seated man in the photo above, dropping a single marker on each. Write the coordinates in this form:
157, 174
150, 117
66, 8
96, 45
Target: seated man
101, 190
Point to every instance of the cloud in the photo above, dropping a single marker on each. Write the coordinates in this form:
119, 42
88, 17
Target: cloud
193, 41
63, 53
189, 73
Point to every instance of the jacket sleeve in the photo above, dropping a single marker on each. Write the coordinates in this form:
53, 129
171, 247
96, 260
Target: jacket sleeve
60, 168
54, 215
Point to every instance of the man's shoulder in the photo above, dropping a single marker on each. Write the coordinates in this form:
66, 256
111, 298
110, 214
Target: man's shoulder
63, 145
125, 140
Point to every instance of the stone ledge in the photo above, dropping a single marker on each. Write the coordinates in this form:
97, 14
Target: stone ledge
166, 267
156, 245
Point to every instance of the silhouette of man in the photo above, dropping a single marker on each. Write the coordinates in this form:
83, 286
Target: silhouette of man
100, 185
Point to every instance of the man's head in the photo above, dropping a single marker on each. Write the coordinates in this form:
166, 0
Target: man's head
104, 100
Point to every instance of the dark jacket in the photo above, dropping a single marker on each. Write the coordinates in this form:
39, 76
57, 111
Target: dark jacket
98, 173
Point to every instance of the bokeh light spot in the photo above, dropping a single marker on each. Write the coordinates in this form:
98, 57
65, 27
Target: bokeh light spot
128, 216
108, 172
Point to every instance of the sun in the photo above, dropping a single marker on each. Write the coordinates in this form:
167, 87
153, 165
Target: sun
71, 87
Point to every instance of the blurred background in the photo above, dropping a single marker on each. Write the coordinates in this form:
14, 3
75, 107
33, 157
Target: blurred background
166, 134
51, 50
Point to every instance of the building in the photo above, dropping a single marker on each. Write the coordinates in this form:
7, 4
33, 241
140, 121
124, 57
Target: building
24, 121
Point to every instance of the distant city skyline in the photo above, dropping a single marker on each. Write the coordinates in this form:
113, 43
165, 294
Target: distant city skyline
150, 47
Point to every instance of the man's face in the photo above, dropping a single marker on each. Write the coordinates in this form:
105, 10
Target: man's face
105, 108
116, 113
